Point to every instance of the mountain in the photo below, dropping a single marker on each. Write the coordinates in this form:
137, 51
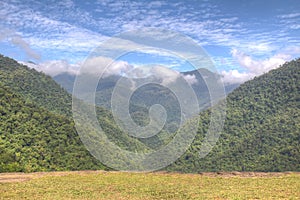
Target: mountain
147, 95
34, 139
37, 132
261, 130
106, 85
34, 86
66, 80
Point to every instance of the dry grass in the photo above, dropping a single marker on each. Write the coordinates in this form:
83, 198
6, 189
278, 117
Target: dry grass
122, 185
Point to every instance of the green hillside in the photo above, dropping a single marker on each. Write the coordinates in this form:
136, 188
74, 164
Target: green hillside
261, 132
262, 127
34, 139
34, 86
37, 132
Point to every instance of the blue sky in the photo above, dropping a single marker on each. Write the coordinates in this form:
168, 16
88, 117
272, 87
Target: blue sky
243, 38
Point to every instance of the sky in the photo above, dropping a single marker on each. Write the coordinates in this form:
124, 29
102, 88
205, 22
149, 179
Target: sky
243, 38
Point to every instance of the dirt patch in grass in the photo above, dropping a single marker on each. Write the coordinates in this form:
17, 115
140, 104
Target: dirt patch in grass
14, 177
20, 176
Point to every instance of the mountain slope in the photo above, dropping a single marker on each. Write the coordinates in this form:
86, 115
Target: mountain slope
147, 95
37, 132
262, 127
261, 131
34, 139
107, 84
34, 86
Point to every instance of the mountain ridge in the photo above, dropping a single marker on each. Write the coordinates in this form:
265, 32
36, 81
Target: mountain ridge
37, 132
261, 131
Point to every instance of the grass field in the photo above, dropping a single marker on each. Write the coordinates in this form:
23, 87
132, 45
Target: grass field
122, 185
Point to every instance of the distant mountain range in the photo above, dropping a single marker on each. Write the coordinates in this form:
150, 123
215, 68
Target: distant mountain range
151, 94
107, 84
37, 133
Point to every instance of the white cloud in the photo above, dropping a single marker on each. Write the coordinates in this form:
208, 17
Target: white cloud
51, 29
70, 28
97, 66
191, 79
291, 15
118, 68
261, 47
295, 26
43, 31
253, 67
166, 75
259, 67
103, 66
234, 76
17, 40
77, 30
290, 21
292, 50
54, 67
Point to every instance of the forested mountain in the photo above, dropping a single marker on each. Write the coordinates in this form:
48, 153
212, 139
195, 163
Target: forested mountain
34, 139
34, 86
107, 84
262, 127
147, 95
261, 131
37, 132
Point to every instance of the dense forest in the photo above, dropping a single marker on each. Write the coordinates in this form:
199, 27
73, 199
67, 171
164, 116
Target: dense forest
262, 127
37, 132
34, 139
261, 131
34, 86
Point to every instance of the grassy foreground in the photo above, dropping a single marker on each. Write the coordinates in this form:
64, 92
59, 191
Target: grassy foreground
122, 185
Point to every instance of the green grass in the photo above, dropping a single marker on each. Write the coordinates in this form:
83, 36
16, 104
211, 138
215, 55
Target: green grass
121, 185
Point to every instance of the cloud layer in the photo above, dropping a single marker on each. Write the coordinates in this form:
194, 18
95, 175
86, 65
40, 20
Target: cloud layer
105, 67
53, 67
81, 26
69, 30
252, 67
